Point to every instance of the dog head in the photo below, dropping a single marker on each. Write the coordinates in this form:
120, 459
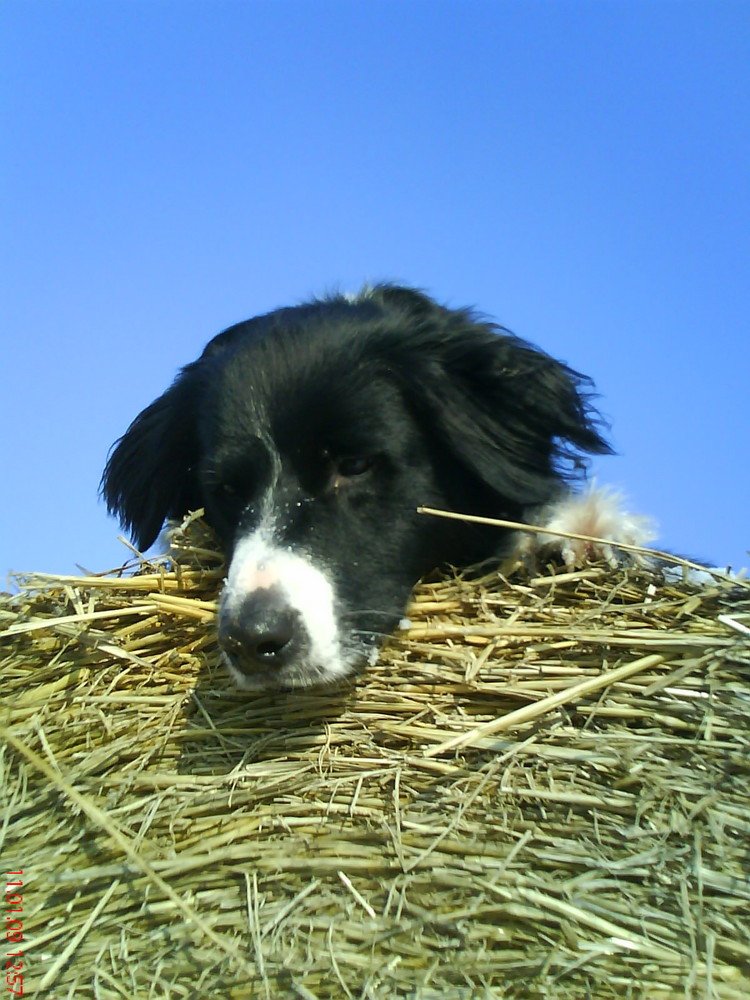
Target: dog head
310, 436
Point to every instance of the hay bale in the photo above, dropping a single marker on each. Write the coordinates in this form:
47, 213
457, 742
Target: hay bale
542, 789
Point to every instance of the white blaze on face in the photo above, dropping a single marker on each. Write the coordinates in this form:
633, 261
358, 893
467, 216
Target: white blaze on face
260, 563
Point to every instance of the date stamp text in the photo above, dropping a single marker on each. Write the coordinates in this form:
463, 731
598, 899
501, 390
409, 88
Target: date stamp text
13, 906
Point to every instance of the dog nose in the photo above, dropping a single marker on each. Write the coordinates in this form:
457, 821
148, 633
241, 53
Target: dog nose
262, 633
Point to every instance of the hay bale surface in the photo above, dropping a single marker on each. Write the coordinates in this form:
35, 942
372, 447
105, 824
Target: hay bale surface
542, 789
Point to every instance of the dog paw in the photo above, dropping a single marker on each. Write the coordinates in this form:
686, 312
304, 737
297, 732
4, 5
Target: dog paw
599, 515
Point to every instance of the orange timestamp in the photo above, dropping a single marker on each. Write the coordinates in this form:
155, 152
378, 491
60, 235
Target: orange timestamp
13, 903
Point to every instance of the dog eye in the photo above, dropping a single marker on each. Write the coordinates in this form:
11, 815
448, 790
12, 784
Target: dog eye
227, 491
356, 465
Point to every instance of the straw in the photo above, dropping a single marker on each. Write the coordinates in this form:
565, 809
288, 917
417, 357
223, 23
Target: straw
541, 789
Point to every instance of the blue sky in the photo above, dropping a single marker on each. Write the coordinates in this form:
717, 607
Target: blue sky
578, 170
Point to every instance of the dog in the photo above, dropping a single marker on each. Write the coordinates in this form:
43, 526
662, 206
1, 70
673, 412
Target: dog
311, 435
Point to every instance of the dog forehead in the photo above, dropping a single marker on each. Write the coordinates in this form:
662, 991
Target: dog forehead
237, 413
305, 381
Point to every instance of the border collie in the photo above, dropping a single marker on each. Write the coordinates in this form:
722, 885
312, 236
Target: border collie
311, 435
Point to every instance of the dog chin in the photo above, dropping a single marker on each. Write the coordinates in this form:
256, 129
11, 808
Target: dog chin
298, 676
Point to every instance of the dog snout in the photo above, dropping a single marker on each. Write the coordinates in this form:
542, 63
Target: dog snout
263, 633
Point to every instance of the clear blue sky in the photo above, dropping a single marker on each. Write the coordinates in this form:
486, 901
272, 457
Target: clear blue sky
579, 170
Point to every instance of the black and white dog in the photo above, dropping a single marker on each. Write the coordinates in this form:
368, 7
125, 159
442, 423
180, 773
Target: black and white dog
311, 435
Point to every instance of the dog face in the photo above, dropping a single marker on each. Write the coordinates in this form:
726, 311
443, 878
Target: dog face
311, 435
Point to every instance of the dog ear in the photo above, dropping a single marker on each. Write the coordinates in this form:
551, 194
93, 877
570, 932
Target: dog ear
512, 416
149, 473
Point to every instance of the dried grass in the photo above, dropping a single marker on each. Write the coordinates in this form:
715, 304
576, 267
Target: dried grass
542, 789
